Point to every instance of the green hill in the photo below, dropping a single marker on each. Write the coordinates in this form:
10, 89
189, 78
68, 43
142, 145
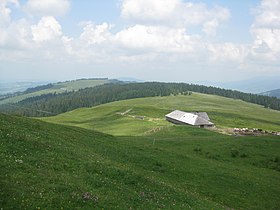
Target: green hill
145, 115
48, 166
54, 104
59, 87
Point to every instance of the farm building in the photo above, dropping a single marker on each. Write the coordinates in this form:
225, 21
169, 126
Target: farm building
199, 119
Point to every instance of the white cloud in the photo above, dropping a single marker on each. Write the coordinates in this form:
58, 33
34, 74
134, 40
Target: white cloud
210, 27
225, 52
96, 34
5, 11
97, 43
93, 45
159, 39
146, 10
268, 14
175, 13
266, 32
14, 35
17, 36
47, 29
267, 44
158, 33
47, 7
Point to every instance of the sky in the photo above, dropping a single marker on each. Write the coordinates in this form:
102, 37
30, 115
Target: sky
152, 40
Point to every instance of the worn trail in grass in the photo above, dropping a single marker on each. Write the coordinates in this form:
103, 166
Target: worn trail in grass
143, 116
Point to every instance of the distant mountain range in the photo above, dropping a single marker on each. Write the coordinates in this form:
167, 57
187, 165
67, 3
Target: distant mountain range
257, 85
254, 85
275, 93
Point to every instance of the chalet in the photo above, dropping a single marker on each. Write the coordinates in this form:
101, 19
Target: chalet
199, 119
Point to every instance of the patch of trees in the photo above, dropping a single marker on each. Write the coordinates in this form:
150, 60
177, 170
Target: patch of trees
53, 104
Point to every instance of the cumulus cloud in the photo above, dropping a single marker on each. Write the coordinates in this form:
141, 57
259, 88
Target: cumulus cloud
13, 34
95, 43
47, 7
151, 39
98, 43
158, 32
161, 31
225, 52
95, 34
16, 36
266, 32
147, 10
268, 14
157, 38
47, 29
176, 13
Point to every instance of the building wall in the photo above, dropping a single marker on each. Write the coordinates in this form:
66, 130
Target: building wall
176, 121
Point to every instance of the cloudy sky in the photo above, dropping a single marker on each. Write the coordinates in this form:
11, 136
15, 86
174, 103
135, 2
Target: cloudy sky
163, 40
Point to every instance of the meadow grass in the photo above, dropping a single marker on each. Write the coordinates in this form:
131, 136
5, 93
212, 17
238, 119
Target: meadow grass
50, 166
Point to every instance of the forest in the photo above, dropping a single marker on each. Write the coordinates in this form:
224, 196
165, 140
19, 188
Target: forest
53, 104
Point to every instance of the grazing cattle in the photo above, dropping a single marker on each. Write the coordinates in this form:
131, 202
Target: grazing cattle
236, 130
254, 131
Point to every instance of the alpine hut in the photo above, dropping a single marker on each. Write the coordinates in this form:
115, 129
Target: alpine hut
199, 119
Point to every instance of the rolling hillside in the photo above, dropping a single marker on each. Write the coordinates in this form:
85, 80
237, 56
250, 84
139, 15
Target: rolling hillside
59, 87
47, 166
146, 115
54, 104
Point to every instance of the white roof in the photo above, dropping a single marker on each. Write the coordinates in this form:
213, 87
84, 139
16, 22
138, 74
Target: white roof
196, 118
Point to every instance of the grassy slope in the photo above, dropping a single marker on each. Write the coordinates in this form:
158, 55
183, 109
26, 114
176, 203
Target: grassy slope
224, 112
57, 88
52, 166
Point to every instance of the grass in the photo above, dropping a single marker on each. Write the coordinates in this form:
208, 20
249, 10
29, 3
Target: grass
58, 88
50, 166
124, 117
140, 161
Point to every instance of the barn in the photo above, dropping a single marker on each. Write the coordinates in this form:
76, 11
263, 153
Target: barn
199, 119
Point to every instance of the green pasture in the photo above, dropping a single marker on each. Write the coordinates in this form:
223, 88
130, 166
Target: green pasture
49, 166
143, 116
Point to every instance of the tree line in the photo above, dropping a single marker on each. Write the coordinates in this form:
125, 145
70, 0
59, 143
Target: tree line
53, 104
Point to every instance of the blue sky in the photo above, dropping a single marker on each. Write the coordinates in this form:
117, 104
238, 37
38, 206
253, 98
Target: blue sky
163, 40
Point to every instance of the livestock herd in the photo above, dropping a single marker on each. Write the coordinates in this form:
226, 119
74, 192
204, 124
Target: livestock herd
254, 131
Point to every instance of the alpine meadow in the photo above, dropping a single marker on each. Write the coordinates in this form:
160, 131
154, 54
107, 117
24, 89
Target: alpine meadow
139, 104
124, 154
